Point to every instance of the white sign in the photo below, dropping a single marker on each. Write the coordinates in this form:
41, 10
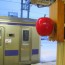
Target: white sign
8, 40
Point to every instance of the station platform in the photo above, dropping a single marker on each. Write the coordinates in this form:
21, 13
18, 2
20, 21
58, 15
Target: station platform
46, 63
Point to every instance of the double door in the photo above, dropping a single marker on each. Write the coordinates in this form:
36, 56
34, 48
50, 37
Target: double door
24, 46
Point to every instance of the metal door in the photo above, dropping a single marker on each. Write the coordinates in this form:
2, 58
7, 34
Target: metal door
26, 44
1, 45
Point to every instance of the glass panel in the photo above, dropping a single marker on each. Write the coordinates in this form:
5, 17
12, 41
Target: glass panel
25, 35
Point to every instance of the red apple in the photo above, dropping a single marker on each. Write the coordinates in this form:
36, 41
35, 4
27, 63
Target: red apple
44, 26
